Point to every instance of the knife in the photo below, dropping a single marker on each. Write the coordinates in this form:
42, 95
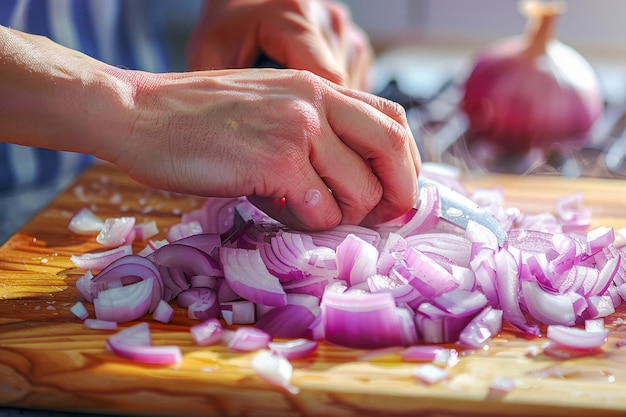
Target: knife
459, 210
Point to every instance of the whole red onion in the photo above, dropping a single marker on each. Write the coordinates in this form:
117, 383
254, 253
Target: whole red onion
532, 91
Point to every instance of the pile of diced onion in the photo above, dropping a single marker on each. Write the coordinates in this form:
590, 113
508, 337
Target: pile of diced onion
415, 283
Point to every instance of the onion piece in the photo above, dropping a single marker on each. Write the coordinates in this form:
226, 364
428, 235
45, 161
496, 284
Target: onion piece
246, 339
126, 303
100, 260
146, 230
135, 343
430, 374
207, 333
85, 222
361, 320
275, 369
116, 232
163, 312
238, 312
294, 349
248, 276
288, 321
100, 324
482, 328
79, 310
123, 271
575, 338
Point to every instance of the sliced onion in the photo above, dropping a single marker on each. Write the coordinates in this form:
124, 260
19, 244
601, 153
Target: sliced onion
246, 339
100, 324
85, 222
146, 230
275, 369
430, 374
163, 312
207, 333
134, 343
127, 270
100, 260
288, 321
575, 338
126, 303
294, 349
116, 232
79, 310
238, 312
248, 276
177, 263
364, 321
356, 260
482, 328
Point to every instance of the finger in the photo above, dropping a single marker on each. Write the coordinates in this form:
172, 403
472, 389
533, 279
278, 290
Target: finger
389, 148
299, 45
307, 204
354, 186
359, 60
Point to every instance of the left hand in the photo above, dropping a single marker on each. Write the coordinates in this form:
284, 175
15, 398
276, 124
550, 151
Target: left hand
314, 35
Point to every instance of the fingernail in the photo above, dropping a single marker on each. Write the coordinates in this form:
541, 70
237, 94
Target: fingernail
312, 197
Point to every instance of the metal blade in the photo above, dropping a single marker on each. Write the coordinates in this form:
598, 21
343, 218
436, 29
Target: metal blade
459, 209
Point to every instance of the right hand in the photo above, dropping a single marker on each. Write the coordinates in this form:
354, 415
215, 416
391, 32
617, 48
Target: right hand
273, 135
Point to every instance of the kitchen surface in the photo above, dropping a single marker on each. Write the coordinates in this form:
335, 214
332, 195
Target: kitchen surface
51, 366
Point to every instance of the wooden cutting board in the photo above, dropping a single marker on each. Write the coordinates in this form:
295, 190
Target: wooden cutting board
48, 360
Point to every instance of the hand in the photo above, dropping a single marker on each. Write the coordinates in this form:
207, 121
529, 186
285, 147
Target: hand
314, 35
273, 136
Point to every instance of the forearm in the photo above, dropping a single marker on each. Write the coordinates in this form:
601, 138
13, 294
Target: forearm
57, 98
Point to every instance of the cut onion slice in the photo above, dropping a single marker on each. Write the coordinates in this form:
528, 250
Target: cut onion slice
275, 369
116, 231
361, 320
294, 349
207, 333
248, 276
100, 260
126, 303
577, 339
135, 343
85, 222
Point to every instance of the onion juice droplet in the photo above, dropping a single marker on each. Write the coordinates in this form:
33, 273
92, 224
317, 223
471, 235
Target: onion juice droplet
312, 197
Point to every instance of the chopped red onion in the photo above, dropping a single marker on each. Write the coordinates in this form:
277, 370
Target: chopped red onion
288, 321
79, 310
126, 303
575, 338
207, 333
163, 312
248, 276
135, 343
294, 349
247, 339
275, 369
430, 374
100, 260
412, 281
116, 232
146, 230
85, 222
100, 324
238, 312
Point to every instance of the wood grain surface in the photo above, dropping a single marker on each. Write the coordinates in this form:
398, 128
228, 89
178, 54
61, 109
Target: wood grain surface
48, 360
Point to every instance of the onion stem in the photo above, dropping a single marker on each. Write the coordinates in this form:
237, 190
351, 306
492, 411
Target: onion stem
541, 25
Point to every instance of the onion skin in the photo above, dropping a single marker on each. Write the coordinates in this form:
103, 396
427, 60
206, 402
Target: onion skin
532, 91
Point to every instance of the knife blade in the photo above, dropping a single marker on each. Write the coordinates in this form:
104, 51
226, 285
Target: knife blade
459, 209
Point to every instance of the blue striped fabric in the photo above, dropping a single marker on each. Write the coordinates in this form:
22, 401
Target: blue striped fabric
125, 33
